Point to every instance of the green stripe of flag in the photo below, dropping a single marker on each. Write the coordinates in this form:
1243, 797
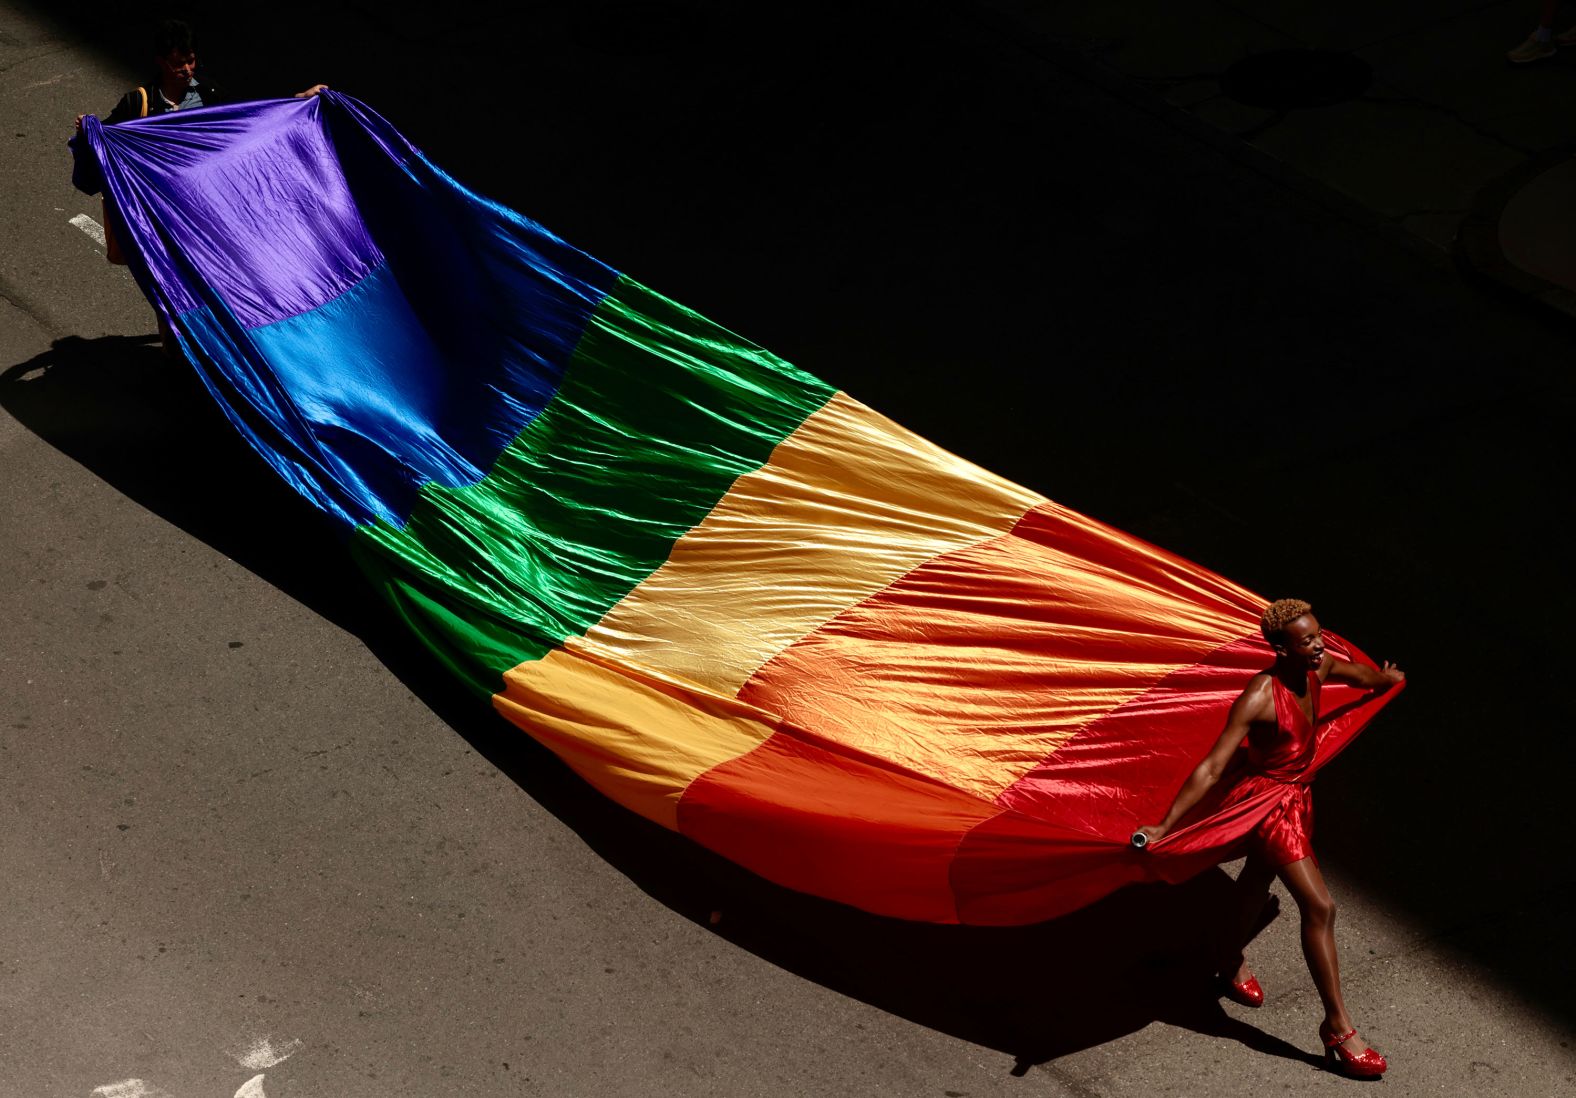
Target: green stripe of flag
659, 412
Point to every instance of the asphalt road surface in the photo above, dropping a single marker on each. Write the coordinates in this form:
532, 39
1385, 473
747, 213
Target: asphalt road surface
251, 843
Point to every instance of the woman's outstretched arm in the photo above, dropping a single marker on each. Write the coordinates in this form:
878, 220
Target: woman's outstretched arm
1248, 707
1361, 675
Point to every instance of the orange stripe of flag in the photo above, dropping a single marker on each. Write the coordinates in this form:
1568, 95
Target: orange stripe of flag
976, 666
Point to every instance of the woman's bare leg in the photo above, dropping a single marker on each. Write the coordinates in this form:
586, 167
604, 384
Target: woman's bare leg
1306, 885
1252, 890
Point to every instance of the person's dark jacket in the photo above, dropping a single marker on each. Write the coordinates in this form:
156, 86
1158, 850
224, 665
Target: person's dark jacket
130, 105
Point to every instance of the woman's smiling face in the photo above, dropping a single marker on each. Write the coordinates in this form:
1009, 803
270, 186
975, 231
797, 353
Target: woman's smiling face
1303, 641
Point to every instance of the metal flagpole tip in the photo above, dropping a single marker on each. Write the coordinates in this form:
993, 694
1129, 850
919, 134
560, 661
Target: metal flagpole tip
1139, 840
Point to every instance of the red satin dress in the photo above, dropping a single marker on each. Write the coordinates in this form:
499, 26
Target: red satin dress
1282, 756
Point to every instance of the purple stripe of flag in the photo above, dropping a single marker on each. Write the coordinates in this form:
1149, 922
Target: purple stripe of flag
270, 225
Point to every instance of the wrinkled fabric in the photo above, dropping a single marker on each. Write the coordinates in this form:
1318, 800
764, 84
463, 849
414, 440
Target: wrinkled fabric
340, 295
738, 602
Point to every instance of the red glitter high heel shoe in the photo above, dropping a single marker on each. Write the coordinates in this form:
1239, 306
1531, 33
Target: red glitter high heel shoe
1248, 993
1367, 1064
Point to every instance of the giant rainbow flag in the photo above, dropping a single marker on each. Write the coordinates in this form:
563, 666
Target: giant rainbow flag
734, 600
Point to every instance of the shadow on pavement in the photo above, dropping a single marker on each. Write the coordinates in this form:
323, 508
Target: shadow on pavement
145, 425
1036, 993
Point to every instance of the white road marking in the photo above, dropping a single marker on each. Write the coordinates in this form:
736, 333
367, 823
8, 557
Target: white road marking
89, 226
129, 1088
252, 1088
46, 83
263, 1053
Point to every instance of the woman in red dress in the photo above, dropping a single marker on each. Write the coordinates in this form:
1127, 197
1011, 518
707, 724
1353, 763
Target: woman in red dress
1276, 714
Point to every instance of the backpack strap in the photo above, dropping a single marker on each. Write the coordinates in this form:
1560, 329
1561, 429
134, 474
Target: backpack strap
143, 92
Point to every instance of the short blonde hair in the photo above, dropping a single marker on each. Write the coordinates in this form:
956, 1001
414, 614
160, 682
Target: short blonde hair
1279, 614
